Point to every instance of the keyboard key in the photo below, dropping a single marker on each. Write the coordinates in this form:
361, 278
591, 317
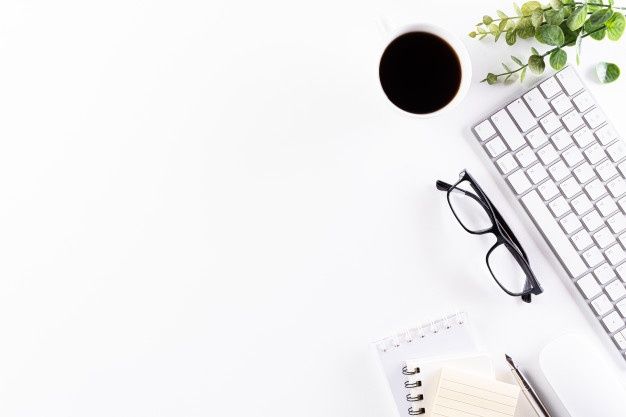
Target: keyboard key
559, 242
606, 170
537, 173
589, 286
519, 181
621, 307
559, 206
607, 206
615, 290
570, 187
550, 87
595, 153
592, 220
606, 134
581, 204
583, 101
604, 237
536, 137
561, 139
581, 239
617, 187
548, 190
583, 137
593, 256
617, 223
495, 147
613, 321
538, 105
615, 254
620, 339
572, 156
569, 80
521, 115
508, 130
602, 305
583, 173
526, 156
572, 120
507, 163
604, 273
485, 130
595, 189
570, 223
617, 151
594, 118
550, 123
558, 171
548, 154
621, 271
561, 104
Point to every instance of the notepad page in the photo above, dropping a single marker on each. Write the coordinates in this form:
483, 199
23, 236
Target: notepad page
461, 394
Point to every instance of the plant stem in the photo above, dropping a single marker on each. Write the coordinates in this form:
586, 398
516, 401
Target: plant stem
606, 6
548, 53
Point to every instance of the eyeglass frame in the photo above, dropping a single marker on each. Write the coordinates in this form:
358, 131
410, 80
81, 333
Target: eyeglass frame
500, 229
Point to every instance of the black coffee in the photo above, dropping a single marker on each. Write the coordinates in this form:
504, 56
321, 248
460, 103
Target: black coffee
420, 72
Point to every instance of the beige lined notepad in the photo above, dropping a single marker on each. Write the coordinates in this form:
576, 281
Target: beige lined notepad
462, 394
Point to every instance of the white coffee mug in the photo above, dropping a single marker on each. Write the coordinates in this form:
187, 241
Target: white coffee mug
456, 44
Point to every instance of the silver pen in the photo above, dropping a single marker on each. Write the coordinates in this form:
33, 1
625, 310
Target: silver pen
527, 389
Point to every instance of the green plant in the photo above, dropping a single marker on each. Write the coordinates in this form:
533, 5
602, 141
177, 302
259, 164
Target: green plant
559, 24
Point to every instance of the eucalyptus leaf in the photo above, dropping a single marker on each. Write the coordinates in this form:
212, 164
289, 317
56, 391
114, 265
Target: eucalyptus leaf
472, 34
607, 72
502, 14
487, 20
597, 19
522, 75
506, 67
534, 51
579, 40
577, 18
556, 4
570, 36
615, 26
517, 60
502, 25
529, 7
536, 64
558, 59
551, 35
510, 37
554, 17
491, 78
598, 34
525, 28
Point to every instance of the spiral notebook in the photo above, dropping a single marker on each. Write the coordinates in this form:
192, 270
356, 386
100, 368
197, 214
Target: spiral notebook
450, 336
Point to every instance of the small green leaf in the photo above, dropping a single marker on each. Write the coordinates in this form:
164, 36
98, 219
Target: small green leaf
579, 40
481, 30
472, 34
517, 60
529, 7
558, 59
598, 34
506, 67
494, 29
525, 28
487, 20
502, 15
570, 36
482, 36
522, 75
607, 72
615, 26
554, 17
536, 18
551, 35
536, 64
491, 78
556, 4
510, 37
534, 51
577, 18
502, 25
597, 19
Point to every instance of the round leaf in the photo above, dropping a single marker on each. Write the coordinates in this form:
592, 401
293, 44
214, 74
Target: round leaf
487, 20
558, 59
598, 34
525, 28
536, 64
607, 72
554, 17
491, 78
529, 7
537, 18
551, 35
556, 4
577, 19
615, 26
597, 19
510, 37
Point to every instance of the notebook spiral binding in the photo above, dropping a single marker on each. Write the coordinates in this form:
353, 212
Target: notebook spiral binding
414, 335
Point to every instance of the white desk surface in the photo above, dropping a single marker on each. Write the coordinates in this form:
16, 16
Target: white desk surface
208, 208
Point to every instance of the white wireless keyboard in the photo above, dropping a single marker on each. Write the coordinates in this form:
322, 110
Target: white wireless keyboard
567, 166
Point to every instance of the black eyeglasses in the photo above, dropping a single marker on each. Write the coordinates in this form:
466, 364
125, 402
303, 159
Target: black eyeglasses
506, 260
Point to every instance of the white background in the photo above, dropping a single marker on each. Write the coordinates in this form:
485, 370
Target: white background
209, 208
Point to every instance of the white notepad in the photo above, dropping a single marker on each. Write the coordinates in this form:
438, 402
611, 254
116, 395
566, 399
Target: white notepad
448, 336
462, 394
